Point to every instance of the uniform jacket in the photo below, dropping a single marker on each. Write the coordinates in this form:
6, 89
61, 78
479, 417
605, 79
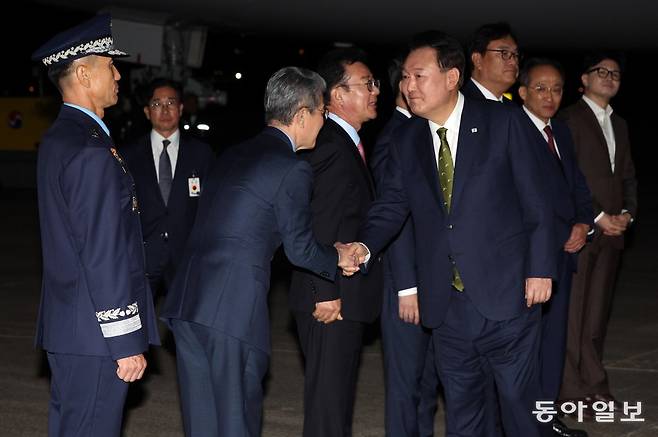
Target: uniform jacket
258, 196
95, 297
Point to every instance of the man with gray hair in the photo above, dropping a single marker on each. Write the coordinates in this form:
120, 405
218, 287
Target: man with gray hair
257, 197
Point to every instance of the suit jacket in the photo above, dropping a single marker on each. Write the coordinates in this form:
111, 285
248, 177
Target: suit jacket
342, 193
499, 230
95, 299
568, 192
399, 263
166, 227
611, 192
258, 196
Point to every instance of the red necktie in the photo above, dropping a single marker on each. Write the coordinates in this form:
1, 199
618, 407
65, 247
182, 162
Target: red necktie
551, 141
361, 152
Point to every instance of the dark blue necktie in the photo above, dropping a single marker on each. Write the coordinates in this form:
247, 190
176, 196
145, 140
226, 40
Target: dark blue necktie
164, 170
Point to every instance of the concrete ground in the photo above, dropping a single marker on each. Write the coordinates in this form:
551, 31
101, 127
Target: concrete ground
631, 354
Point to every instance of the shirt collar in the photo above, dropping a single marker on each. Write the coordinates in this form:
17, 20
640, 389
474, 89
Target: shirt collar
346, 127
536, 120
454, 120
92, 115
598, 111
156, 138
403, 111
487, 94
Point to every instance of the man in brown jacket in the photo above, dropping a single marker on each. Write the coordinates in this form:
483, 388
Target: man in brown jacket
604, 155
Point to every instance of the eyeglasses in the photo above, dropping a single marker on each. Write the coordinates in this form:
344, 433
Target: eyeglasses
543, 89
603, 73
158, 105
371, 84
507, 54
324, 111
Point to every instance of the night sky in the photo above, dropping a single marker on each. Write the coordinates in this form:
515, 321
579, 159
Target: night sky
257, 56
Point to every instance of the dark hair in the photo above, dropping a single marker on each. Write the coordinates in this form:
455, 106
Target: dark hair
332, 66
290, 89
530, 63
58, 72
394, 71
161, 82
449, 53
484, 34
593, 58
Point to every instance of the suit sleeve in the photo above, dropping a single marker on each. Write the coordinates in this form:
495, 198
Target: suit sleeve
533, 195
293, 216
389, 212
96, 206
401, 252
628, 176
581, 194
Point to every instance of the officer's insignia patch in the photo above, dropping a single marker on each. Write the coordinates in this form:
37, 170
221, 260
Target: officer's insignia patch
119, 321
118, 157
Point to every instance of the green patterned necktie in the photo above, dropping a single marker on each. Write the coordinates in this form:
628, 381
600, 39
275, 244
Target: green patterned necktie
446, 177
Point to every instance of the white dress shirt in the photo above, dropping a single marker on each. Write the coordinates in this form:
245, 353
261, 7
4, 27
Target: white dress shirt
452, 136
603, 117
172, 150
487, 94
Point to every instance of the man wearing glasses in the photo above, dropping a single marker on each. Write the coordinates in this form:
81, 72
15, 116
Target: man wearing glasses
604, 155
169, 171
342, 193
541, 86
494, 59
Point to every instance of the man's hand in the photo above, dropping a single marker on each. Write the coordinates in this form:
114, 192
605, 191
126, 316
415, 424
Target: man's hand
622, 220
350, 256
611, 225
328, 311
577, 238
132, 368
537, 290
408, 308
347, 259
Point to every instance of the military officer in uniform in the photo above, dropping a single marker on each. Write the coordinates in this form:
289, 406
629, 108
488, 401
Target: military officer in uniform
96, 317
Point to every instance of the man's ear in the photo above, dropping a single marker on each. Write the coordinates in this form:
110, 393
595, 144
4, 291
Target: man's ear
299, 117
453, 78
476, 59
83, 74
147, 113
523, 92
337, 95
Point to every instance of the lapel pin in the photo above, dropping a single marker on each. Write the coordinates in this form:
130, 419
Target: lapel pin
474, 130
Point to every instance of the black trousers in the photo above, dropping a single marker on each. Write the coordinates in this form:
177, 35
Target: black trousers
332, 353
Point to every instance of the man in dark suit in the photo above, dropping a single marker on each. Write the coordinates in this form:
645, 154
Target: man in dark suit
483, 237
494, 60
96, 317
257, 197
342, 193
170, 170
541, 85
604, 155
410, 374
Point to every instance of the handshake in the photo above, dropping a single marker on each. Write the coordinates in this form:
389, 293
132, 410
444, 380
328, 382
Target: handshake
350, 256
